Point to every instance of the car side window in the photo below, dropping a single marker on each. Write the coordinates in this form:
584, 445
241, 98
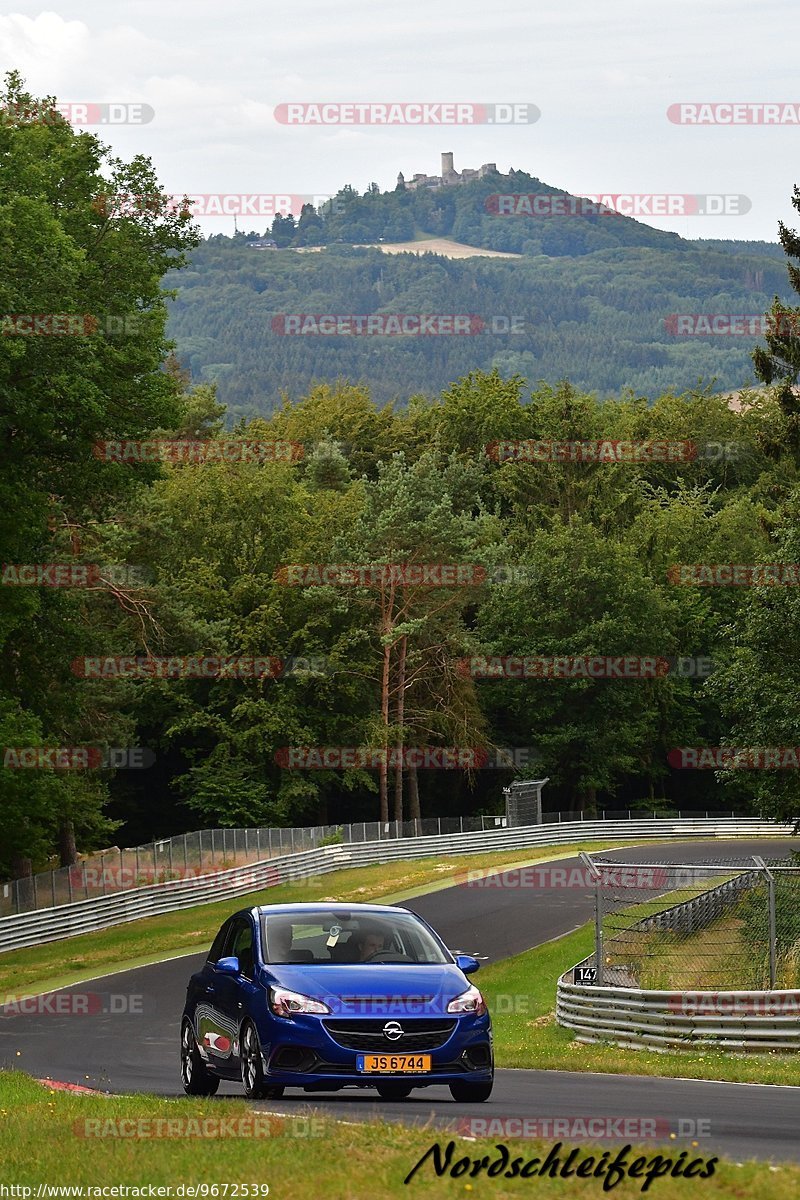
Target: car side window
241, 945
216, 951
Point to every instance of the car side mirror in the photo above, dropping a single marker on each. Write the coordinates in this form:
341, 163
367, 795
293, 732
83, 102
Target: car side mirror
229, 966
467, 964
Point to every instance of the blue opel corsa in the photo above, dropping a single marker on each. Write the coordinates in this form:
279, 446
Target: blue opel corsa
326, 996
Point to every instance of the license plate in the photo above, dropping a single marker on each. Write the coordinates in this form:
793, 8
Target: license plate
393, 1064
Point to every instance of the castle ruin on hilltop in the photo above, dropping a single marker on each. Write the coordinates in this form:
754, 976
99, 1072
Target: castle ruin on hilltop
449, 176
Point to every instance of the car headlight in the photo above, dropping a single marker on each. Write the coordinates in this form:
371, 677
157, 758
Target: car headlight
288, 1004
470, 1001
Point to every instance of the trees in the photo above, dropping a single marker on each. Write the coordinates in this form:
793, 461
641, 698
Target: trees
581, 594
601, 320
411, 517
385, 480
758, 690
779, 363
70, 247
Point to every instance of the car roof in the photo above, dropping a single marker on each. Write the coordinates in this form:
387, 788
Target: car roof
333, 906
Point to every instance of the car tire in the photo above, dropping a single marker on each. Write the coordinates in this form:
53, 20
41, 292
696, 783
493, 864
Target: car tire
254, 1081
394, 1091
196, 1078
464, 1092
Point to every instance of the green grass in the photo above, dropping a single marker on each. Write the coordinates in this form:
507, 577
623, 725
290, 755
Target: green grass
521, 994
659, 959
152, 939
718, 957
43, 1140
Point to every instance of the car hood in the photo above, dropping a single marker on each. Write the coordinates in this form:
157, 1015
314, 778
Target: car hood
365, 990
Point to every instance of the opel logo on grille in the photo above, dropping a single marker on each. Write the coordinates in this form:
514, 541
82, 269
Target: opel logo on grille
393, 1031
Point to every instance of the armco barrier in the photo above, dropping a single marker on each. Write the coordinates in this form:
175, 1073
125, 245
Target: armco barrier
695, 914
85, 916
659, 1020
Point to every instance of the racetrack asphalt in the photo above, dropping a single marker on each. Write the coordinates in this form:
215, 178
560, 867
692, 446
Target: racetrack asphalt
128, 1039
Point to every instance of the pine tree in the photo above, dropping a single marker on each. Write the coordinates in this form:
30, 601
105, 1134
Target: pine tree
780, 362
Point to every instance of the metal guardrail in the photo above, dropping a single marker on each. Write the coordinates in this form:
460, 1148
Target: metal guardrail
212, 850
85, 916
662, 1020
696, 913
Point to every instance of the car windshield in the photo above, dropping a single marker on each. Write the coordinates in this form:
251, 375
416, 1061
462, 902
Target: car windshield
324, 936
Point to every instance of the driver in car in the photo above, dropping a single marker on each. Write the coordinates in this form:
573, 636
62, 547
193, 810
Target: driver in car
367, 943
280, 941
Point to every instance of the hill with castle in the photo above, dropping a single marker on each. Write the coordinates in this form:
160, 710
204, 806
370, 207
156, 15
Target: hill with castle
594, 298
449, 177
461, 205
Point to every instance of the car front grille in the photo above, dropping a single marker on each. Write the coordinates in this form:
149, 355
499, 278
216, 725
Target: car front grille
368, 1035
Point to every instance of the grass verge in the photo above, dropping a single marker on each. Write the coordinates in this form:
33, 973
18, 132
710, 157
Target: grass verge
521, 995
43, 1140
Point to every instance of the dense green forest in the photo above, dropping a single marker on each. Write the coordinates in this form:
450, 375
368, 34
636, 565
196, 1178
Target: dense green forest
195, 558
592, 299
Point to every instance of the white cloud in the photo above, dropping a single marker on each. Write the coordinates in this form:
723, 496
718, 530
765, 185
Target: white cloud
602, 76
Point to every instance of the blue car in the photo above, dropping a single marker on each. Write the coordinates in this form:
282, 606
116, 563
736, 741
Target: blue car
326, 996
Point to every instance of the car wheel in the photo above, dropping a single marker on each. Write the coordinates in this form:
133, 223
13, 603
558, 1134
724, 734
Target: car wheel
465, 1092
394, 1091
253, 1079
196, 1078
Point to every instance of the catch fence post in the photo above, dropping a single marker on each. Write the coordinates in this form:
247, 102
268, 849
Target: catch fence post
598, 917
773, 930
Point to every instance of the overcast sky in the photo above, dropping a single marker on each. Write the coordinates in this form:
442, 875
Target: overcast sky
603, 76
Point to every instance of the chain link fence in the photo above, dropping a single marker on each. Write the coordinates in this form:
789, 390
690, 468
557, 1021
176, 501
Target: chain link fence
206, 851
730, 925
